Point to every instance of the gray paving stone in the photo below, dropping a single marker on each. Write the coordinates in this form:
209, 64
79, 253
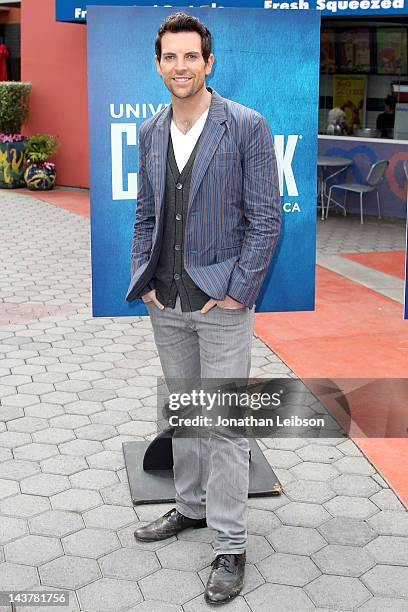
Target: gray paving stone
387, 500
80, 448
69, 421
5, 453
9, 411
309, 491
122, 404
352, 507
281, 458
35, 451
388, 549
63, 464
137, 428
380, 481
174, 555
261, 522
113, 460
15, 577
37, 388
129, 564
390, 523
387, 581
83, 407
96, 432
33, 550
109, 594
44, 484
349, 448
16, 469
258, 548
343, 560
268, 503
284, 598
110, 417
56, 523
355, 465
93, 479
27, 424
353, 485
292, 570
347, 531
171, 585
8, 487
11, 528
381, 604
44, 410
284, 443
93, 543
296, 540
21, 400
302, 515
116, 443
314, 471
96, 395
59, 397
13, 439
24, 506
109, 517
53, 435
337, 592
76, 500
69, 572
319, 453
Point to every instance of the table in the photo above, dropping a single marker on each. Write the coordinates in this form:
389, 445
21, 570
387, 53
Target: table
323, 162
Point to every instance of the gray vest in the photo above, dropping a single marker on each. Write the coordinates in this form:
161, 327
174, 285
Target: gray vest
171, 278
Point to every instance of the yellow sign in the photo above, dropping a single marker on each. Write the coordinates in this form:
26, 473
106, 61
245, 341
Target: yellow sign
349, 93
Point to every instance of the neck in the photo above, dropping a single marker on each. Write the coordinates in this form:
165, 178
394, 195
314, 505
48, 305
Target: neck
186, 111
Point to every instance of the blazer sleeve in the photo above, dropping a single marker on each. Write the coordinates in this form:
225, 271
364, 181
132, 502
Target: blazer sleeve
145, 212
262, 211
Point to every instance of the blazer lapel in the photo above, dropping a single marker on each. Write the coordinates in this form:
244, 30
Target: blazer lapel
156, 167
210, 137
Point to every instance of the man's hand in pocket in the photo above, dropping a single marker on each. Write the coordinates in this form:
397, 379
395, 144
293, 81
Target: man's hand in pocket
151, 297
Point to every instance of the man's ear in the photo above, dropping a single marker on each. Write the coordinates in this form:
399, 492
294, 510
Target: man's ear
157, 62
209, 64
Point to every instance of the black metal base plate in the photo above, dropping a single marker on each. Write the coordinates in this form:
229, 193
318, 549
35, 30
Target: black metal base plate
149, 487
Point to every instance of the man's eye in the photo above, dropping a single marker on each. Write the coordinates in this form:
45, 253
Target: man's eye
192, 56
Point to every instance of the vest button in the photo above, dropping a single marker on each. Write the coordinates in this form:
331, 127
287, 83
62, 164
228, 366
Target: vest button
178, 217
179, 186
177, 247
177, 276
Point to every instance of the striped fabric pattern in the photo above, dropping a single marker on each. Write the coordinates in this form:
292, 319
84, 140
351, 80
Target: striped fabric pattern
234, 207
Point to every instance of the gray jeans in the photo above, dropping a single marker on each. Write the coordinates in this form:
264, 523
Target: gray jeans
210, 473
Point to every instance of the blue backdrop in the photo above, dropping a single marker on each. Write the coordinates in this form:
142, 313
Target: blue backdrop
255, 66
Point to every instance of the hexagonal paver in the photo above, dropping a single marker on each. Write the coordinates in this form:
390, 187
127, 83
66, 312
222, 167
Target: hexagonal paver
389, 549
16, 469
118, 494
293, 570
83, 407
96, 432
53, 435
352, 507
387, 500
56, 523
110, 417
44, 484
261, 522
171, 585
296, 540
129, 564
93, 479
59, 397
309, 491
390, 523
13, 439
353, 485
80, 448
5, 454
346, 531
302, 515
387, 580
283, 598
44, 410
110, 460
174, 555
24, 506
109, 594
69, 572
76, 500
381, 604
27, 424
319, 453
337, 592
8, 488
35, 451
343, 560
355, 465
109, 517
63, 464
11, 529
314, 471
69, 421
33, 550
258, 548
93, 543
14, 577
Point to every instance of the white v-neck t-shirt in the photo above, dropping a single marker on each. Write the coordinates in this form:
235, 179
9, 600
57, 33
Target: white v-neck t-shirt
183, 144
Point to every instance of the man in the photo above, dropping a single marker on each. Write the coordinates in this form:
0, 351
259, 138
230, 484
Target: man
207, 221
386, 120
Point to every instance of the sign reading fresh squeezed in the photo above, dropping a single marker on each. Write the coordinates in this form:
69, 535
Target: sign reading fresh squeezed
125, 90
75, 10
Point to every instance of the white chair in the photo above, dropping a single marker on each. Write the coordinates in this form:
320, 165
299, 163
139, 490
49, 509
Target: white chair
374, 178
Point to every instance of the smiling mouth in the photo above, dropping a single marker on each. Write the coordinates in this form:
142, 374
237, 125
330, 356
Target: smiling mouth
181, 79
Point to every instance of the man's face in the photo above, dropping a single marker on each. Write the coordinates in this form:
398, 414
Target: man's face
182, 66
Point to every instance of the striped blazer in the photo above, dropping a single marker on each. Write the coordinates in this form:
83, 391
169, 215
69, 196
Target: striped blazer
234, 209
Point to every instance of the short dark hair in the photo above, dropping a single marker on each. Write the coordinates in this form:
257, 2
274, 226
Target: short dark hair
181, 22
391, 101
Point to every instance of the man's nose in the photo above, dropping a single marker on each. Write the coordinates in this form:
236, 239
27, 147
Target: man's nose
180, 64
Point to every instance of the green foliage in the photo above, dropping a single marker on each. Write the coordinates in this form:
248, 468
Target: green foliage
40, 147
14, 105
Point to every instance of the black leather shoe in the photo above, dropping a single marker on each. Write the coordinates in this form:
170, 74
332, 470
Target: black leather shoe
166, 526
226, 579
